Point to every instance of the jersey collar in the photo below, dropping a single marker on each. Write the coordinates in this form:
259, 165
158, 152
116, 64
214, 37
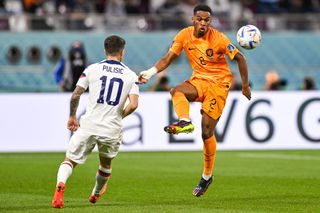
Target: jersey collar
112, 62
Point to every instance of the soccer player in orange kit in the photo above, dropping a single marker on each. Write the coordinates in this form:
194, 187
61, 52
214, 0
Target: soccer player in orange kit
211, 79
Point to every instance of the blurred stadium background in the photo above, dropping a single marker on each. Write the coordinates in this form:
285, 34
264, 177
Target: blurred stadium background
36, 33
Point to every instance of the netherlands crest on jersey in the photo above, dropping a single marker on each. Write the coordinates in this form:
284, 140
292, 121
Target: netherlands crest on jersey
209, 52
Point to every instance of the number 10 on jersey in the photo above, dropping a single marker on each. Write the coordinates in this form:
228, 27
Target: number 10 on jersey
111, 86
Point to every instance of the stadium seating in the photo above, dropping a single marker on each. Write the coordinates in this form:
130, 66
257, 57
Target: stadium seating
293, 55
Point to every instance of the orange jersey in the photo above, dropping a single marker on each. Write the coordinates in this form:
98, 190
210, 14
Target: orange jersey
206, 54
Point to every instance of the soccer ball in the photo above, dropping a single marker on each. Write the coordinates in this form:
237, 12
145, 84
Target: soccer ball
249, 36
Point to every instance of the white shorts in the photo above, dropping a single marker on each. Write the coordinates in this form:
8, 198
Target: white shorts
82, 143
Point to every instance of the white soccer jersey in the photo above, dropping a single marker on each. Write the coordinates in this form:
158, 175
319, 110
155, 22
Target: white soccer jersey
110, 82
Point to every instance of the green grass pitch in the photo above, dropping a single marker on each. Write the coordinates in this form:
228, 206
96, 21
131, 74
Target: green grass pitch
245, 181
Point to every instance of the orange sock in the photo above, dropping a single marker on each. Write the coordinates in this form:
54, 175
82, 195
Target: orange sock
209, 153
181, 105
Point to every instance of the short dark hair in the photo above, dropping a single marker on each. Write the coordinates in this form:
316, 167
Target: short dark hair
202, 7
114, 44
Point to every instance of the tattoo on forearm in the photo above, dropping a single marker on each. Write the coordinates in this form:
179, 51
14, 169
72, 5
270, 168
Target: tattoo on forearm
74, 102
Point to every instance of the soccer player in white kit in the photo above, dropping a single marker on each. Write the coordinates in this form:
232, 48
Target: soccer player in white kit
111, 84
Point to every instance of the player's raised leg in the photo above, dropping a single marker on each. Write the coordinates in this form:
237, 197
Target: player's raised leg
181, 95
64, 172
102, 177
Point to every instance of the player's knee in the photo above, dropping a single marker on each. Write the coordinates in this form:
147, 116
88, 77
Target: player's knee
206, 134
74, 164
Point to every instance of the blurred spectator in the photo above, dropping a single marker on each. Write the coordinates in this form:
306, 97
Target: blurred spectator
115, 15
315, 6
161, 84
308, 83
82, 6
299, 6
176, 14
268, 6
3, 6
218, 6
250, 5
33, 6
64, 6
271, 78
145, 6
115, 8
137, 6
132, 6
171, 15
273, 82
169, 7
4, 22
100, 6
187, 10
221, 11
68, 71
245, 13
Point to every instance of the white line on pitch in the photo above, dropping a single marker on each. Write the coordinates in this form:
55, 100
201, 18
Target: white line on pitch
279, 156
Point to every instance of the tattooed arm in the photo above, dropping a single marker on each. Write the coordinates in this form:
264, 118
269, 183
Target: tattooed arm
74, 103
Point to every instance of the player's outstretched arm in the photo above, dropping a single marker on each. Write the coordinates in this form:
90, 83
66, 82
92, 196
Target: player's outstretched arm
133, 105
162, 64
72, 124
243, 68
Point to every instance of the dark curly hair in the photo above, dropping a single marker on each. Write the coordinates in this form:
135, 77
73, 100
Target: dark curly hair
202, 7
